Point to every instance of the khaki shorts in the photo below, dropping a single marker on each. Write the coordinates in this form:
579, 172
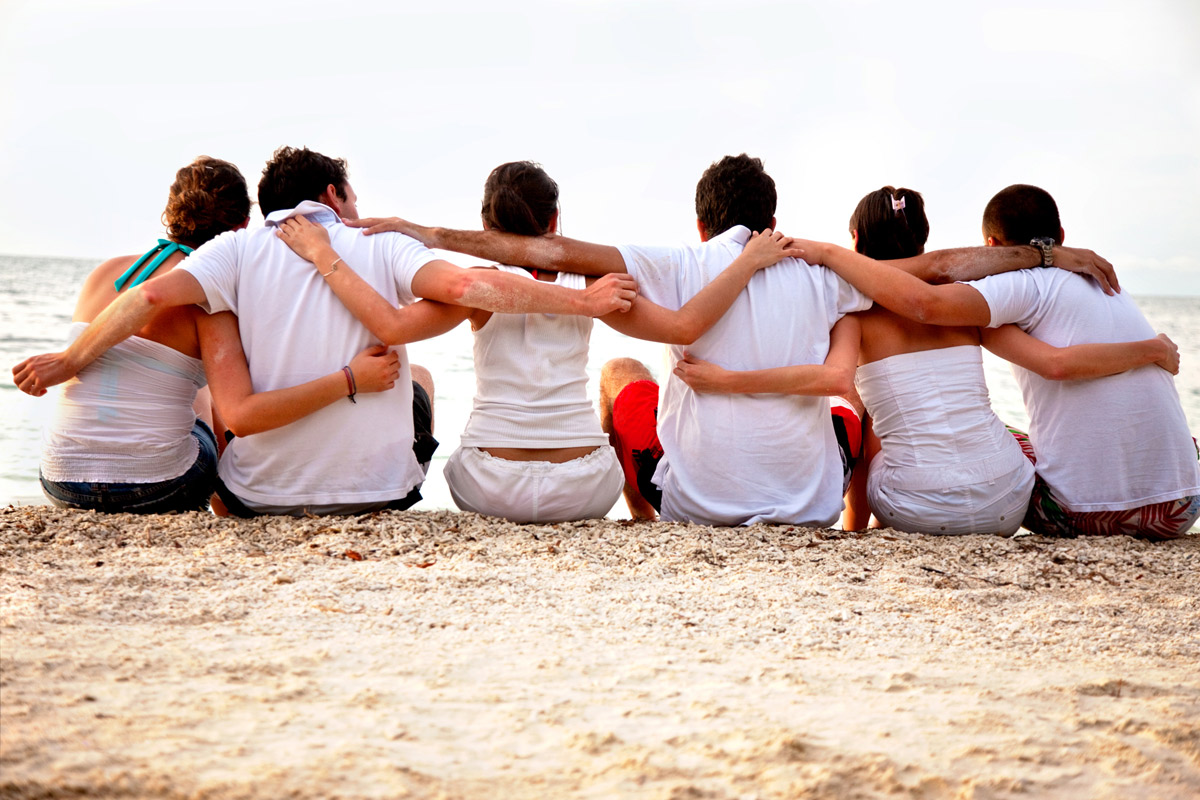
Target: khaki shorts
535, 491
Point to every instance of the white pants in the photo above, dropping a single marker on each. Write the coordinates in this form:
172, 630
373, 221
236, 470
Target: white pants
996, 506
535, 491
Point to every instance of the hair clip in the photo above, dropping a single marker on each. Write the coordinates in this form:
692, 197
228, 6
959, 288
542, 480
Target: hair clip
897, 205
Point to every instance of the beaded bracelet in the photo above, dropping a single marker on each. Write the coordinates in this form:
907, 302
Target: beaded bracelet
351, 384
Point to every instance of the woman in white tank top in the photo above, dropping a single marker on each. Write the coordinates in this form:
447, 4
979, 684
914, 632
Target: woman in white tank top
938, 458
533, 449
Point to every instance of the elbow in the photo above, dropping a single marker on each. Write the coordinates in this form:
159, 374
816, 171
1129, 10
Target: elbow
1057, 369
841, 382
460, 287
237, 423
685, 334
922, 310
152, 296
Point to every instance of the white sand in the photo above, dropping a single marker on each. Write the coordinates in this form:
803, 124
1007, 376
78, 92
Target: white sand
191, 657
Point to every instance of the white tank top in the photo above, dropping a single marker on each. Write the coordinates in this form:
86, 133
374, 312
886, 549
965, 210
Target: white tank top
531, 380
125, 418
934, 419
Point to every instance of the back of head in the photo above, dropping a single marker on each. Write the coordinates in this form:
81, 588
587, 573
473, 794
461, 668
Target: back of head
519, 197
209, 196
294, 175
735, 191
1021, 213
890, 223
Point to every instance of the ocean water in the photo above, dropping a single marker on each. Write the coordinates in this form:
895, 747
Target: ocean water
37, 297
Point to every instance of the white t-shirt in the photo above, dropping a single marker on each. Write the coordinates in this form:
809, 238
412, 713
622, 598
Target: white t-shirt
1106, 444
740, 459
294, 329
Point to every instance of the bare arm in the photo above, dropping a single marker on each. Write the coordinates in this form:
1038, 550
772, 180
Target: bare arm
123, 317
834, 377
487, 289
247, 412
647, 320
550, 252
973, 263
1080, 361
899, 291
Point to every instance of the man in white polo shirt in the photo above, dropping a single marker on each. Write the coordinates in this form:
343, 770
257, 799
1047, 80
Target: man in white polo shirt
347, 457
1113, 454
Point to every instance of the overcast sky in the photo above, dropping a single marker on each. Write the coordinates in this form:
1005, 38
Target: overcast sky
624, 103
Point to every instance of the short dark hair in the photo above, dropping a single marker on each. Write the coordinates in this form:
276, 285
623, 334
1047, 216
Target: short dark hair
209, 196
885, 231
1020, 213
735, 191
294, 175
519, 197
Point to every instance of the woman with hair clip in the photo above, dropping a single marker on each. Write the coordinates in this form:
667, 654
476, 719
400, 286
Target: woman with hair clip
533, 449
133, 431
938, 459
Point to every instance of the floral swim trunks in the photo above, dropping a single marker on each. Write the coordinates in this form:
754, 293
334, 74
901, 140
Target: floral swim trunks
1169, 519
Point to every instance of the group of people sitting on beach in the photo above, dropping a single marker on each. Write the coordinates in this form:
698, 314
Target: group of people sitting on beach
298, 328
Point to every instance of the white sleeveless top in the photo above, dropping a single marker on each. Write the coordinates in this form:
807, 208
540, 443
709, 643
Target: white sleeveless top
125, 418
932, 413
531, 380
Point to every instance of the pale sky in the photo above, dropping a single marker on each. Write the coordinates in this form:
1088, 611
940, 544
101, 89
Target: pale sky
624, 103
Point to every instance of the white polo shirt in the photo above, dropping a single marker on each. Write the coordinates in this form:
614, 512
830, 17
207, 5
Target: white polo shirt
294, 329
1105, 444
740, 459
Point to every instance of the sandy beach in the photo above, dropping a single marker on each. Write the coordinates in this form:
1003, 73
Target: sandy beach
447, 655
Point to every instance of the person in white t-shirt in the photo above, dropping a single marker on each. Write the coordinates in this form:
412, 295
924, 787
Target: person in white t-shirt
1113, 454
533, 449
735, 460
347, 457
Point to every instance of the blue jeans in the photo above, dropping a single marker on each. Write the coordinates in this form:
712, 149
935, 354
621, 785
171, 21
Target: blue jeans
189, 492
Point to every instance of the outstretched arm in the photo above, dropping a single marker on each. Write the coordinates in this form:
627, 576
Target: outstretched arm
1080, 361
834, 377
550, 252
123, 317
487, 289
973, 263
647, 320
899, 291
246, 412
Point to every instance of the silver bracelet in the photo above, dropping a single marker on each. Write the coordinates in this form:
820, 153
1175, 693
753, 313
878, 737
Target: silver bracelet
332, 267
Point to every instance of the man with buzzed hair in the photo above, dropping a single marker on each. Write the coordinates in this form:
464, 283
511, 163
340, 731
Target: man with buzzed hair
1113, 454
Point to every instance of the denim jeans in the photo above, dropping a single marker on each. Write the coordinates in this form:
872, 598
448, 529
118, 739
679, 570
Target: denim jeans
189, 492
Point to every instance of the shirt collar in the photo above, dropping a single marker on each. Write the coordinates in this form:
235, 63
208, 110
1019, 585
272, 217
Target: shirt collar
738, 234
316, 212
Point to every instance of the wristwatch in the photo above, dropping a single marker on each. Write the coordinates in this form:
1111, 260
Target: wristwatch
1046, 245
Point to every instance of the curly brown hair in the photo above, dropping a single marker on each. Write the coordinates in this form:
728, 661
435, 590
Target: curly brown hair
209, 196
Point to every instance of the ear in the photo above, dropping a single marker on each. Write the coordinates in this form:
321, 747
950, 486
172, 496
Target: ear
854, 237
330, 198
703, 231
991, 241
773, 225
553, 222
1062, 236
